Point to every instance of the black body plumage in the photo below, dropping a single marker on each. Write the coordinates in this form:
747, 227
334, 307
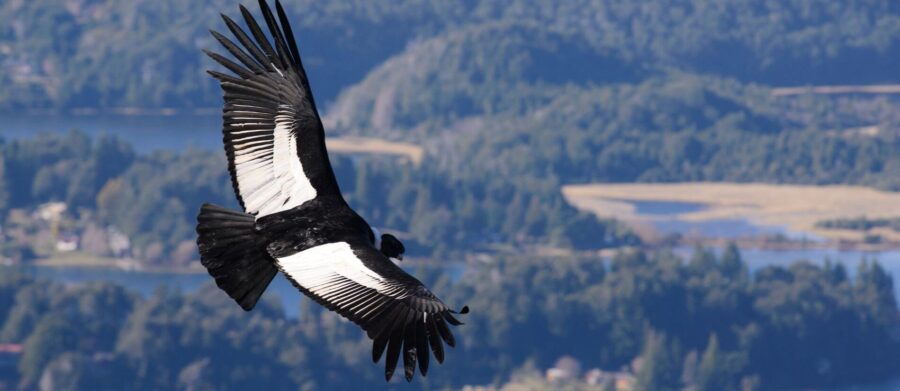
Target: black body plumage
295, 219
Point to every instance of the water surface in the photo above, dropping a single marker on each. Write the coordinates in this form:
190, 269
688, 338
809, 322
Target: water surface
145, 132
146, 283
665, 218
665, 208
759, 258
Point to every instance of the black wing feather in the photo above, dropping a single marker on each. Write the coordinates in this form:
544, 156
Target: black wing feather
393, 352
270, 88
289, 35
257, 54
231, 65
409, 349
445, 332
261, 38
403, 318
238, 53
434, 339
422, 346
280, 46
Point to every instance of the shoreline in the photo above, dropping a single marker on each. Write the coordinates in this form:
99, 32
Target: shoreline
130, 265
124, 111
121, 264
793, 209
763, 243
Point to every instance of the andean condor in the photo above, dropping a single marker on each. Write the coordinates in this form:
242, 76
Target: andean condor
295, 219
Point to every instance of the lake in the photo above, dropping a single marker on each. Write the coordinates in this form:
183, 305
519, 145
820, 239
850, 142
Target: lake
145, 283
664, 216
759, 258
145, 132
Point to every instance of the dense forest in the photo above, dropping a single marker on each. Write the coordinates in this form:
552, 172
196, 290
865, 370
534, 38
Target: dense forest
154, 199
704, 323
564, 92
96, 53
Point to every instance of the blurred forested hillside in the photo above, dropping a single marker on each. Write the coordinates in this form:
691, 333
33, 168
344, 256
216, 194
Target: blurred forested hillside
592, 90
94, 53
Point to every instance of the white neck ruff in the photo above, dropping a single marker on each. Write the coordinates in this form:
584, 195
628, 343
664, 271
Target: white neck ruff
377, 234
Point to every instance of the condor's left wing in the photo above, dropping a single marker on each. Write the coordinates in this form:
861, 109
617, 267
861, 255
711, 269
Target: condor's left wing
272, 132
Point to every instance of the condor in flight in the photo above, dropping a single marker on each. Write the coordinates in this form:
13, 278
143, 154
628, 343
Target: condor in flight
295, 219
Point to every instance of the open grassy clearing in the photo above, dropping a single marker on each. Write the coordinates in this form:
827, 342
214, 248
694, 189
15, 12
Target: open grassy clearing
82, 259
830, 90
351, 144
796, 207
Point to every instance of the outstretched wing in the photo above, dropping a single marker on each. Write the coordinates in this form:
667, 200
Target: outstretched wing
272, 133
395, 309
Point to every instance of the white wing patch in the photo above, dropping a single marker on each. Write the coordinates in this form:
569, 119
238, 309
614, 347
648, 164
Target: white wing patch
332, 271
271, 178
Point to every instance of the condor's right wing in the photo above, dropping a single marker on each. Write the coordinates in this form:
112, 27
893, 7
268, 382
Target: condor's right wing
395, 309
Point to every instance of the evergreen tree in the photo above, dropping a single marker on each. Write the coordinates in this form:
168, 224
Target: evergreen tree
515, 211
731, 263
534, 217
836, 272
52, 336
703, 260
875, 288
712, 374
659, 370
4, 192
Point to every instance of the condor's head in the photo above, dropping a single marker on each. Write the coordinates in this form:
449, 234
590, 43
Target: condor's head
388, 244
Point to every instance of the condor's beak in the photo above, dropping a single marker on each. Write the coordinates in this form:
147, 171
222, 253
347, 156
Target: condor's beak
399, 257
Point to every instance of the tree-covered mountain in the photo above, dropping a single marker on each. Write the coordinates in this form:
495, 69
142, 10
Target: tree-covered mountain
562, 91
95, 53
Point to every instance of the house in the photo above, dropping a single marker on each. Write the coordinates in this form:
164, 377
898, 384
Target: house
51, 211
9, 359
119, 243
67, 243
620, 381
567, 368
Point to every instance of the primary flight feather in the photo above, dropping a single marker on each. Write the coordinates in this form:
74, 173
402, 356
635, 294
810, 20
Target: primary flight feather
295, 220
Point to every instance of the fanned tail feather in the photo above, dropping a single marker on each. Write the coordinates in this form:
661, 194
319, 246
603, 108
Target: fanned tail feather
234, 254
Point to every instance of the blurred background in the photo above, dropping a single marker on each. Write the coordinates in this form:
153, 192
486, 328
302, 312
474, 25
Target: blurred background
655, 195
